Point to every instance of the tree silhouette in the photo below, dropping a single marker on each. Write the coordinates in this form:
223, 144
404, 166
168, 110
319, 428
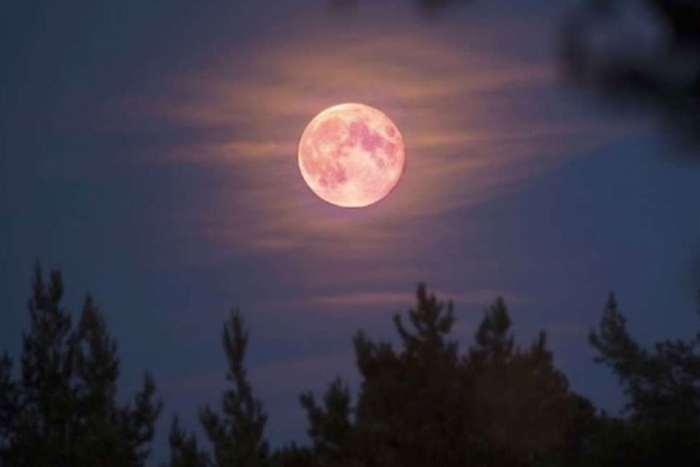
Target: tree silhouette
641, 51
425, 405
63, 409
422, 403
644, 51
236, 434
330, 428
411, 410
520, 403
662, 389
293, 456
184, 451
498, 404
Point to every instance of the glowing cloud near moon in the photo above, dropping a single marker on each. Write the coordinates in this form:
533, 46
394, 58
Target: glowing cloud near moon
351, 155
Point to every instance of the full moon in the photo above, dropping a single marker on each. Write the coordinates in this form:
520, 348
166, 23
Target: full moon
351, 155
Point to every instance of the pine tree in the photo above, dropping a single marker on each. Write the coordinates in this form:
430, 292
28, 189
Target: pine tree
424, 404
662, 387
237, 433
63, 409
330, 426
293, 456
519, 402
184, 451
411, 409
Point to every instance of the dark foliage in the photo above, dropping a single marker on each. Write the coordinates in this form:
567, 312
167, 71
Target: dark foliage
62, 411
637, 52
424, 404
663, 393
293, 456
644, 52
236, 433
184, 451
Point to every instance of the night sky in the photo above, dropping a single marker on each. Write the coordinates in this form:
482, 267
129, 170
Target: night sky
148, 150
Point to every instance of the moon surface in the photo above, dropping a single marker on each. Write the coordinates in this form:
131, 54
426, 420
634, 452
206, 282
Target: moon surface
351, 155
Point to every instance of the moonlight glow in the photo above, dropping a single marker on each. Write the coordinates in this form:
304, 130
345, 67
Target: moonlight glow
351, 155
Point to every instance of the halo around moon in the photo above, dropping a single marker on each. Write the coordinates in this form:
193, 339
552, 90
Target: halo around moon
351, 155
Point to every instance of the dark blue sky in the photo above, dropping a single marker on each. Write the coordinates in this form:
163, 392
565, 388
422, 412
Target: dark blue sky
148, 150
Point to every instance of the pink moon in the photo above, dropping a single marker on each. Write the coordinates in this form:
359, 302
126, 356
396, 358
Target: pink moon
351, 155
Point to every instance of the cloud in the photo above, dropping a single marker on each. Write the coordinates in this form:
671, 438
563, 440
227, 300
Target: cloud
472, 122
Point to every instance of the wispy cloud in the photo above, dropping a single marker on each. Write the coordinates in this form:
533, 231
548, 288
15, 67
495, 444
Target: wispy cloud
471, 120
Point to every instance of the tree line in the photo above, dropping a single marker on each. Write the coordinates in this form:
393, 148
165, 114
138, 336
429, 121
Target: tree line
420, 403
